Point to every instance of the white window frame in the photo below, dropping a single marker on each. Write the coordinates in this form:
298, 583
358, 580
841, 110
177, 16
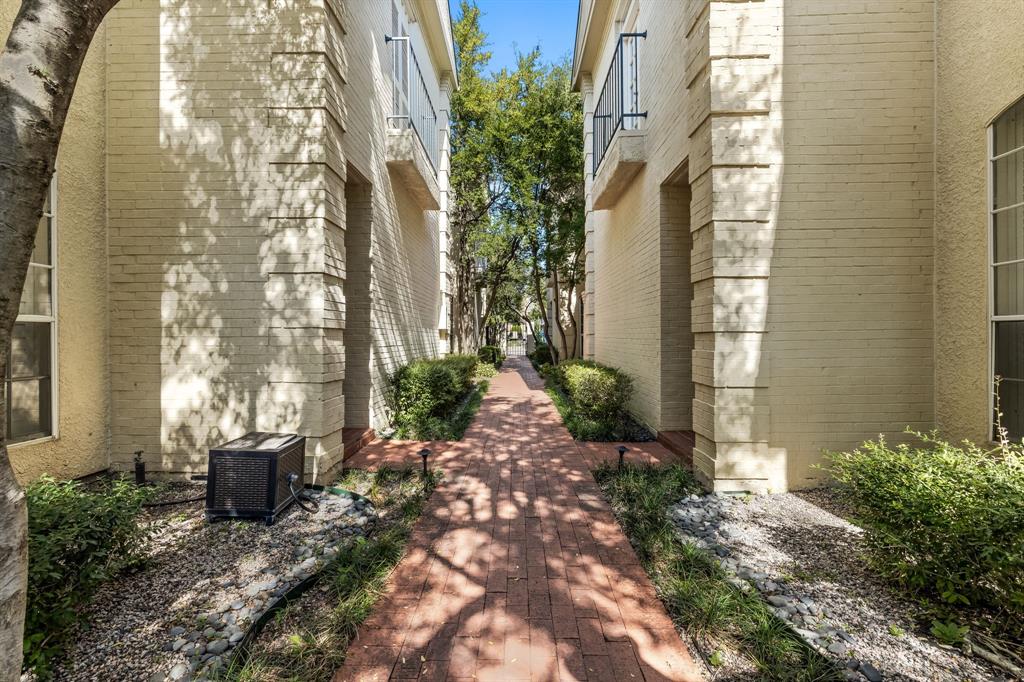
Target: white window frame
52, 319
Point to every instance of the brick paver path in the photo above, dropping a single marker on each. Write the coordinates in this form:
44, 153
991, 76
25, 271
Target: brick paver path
517, 569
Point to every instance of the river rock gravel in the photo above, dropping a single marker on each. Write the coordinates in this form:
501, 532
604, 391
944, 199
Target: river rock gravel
807, 563
204, 585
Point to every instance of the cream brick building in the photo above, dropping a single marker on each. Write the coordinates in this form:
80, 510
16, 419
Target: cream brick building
789, 219
250, 231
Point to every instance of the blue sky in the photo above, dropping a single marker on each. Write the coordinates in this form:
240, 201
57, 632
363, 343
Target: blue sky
523, 24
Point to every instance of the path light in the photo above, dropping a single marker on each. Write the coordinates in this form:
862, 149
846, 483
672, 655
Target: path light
424, 453
622, 453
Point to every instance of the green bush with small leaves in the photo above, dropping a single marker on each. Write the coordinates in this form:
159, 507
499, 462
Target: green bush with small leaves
78, 536
598, 392
485, 370
541, 355
944, 520
425, 394
491, 354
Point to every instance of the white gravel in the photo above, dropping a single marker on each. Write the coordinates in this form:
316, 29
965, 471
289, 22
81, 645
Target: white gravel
180, 617
808, 563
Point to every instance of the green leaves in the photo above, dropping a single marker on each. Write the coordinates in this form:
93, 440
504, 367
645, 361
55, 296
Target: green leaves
426, 394
946, 521
949, 633
78, 537
593, 406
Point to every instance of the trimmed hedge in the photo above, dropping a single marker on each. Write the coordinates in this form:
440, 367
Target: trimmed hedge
491, 354
946, 521
426, 393
78, 537
595, 399
541, 355
598, 392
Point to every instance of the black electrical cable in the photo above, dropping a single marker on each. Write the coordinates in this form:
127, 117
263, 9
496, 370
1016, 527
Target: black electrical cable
315, 505
168, 503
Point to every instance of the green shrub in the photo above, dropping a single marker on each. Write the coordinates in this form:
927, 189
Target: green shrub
491, 354
946, 521
541, 355
485, 370
598, 393
425, 393
77, 538
591, 399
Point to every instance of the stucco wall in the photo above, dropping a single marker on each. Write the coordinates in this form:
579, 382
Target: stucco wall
980, 72
82, 445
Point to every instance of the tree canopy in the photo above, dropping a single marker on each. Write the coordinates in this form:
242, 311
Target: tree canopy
517, 184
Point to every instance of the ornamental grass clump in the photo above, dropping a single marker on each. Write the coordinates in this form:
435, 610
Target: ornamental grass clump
78, 536
946, 521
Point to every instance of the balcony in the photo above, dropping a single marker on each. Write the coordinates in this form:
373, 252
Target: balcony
412, 135
619, 142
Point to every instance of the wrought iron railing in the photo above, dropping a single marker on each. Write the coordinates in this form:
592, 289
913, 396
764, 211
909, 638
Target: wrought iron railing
411, 106
618, 106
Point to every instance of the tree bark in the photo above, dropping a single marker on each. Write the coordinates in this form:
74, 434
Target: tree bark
39, 69
541, 301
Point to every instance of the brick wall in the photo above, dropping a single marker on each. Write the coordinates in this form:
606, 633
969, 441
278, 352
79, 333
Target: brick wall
233, 126
804, 130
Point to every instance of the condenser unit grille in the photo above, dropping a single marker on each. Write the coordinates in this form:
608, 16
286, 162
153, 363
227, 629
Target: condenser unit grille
242, 483
248, 477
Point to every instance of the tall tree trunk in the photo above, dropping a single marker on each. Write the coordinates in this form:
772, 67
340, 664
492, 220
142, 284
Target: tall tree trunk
39, 69
538, 291
558, 312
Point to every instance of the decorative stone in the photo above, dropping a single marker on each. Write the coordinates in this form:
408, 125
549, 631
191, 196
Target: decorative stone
217, 647
871, 672
178, 672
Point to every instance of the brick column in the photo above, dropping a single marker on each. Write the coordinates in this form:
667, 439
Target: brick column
734, 80
588, 175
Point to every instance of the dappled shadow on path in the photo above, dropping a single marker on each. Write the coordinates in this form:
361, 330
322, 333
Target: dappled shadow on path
517, 569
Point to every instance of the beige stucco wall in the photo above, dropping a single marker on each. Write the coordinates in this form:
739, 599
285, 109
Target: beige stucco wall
81, 447
234, 129
980, 72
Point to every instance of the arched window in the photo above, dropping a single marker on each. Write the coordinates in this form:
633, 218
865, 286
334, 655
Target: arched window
1007, 252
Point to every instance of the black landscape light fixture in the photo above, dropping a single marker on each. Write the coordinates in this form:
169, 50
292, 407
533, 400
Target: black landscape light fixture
424, 453
622, 454
140, 468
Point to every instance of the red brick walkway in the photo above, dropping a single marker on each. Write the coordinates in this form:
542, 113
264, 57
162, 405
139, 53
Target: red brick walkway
517, 569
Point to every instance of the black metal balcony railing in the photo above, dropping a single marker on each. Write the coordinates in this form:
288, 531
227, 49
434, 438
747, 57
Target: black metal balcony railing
411, 106
618, 106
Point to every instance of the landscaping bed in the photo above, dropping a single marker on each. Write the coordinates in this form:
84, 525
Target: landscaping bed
202, 586
808, 565
436, 399
591, 399
736, 633
309, 639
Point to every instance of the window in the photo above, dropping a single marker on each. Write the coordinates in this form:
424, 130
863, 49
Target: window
30, 363
1007, 253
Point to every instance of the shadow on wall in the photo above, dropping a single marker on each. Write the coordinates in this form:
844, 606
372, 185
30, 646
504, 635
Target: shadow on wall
227, 216
749, 167
219, 207
405, 285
